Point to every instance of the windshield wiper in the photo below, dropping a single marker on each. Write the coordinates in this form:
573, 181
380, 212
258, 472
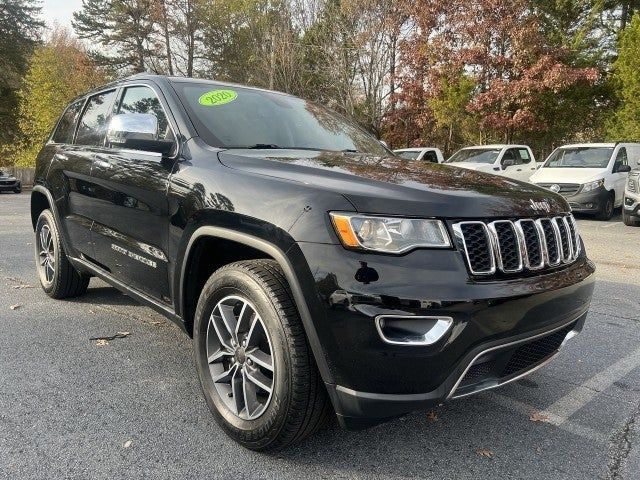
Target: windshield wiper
265, 146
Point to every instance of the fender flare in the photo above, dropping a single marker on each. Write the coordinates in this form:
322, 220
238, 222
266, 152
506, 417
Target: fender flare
283, 260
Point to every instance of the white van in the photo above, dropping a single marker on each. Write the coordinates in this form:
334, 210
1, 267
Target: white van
591, 176
513, 161
428, 154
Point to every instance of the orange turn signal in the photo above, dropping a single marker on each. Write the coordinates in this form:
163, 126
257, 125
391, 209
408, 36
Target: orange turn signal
343, 227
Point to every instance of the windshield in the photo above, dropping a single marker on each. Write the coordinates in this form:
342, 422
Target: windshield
237, 117
475, 155
408, 155
579, 157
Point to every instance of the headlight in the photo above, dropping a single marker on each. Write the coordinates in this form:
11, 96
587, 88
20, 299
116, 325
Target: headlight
587, 187
389, 234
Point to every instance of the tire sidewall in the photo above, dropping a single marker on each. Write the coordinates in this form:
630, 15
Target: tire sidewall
46, 218
259, 432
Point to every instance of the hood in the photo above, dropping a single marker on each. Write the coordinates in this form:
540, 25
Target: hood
389, 185
6, 176
567, 175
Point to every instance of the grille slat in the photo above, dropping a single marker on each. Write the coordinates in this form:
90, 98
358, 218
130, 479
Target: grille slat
526, 244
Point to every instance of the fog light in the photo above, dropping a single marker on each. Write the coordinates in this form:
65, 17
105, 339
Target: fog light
412, 330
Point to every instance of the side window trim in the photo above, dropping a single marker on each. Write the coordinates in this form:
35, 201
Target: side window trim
163, 105
84, 109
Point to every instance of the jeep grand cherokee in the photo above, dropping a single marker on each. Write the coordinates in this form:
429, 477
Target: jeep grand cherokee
317, 273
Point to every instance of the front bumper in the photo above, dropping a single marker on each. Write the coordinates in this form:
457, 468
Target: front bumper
10, 187
372, 380
590, 202
631, 203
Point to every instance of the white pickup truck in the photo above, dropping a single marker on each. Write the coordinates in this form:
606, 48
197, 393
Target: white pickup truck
513, 161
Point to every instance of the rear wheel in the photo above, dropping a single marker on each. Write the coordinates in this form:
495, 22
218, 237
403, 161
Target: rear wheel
253, 359
630, 220
58, 277
606, 210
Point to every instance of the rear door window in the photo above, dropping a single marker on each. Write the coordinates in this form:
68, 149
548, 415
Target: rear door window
93, 123
67, 124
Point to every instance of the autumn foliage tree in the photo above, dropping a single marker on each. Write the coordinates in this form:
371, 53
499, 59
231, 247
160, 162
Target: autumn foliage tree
58, 71
500, 47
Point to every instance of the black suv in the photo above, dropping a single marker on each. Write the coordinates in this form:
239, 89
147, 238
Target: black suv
9, 183
317, 272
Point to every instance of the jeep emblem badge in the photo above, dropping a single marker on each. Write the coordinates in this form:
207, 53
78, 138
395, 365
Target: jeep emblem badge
542, 205
555, 188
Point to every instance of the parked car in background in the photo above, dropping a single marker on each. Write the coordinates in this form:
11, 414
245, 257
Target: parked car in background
591, 176
513, 161
428, 154
631, 204
9, 183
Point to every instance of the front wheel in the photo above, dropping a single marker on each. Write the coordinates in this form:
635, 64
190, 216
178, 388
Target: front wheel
58, 277
606, 210
253, 358
629, 219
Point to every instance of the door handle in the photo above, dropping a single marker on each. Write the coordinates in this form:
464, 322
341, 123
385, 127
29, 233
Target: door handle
61, 157
519, 170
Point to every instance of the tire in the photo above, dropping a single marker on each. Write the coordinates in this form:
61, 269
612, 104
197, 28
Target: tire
58, 277
630, 220
606, 211
298, 404
18, 190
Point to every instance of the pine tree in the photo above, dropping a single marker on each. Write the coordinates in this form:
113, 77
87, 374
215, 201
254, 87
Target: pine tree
625, 123
125, 30
19, 31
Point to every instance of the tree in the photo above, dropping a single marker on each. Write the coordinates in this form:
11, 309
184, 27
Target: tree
501, 46
625, 122
57, 72
125, 30
19, 33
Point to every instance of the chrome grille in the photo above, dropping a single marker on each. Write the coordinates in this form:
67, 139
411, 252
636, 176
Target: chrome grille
566, 189
632, 183
515, 246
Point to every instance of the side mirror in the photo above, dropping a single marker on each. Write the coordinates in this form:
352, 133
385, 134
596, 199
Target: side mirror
623, 169
137, 131
385, 144
508, 162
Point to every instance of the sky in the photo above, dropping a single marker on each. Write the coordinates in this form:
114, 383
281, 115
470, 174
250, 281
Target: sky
60, 11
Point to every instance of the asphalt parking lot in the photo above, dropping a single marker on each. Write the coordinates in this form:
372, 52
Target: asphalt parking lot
132, 408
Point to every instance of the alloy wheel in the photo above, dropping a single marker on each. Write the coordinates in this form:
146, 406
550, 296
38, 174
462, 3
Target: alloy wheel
46, 254
240, 357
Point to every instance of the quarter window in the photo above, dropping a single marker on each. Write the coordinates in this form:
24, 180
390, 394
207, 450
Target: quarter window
67, 124
144, 100
93, 124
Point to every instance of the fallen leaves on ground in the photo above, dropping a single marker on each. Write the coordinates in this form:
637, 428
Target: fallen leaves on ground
127, 444
102, 342
15, 307
485, 452
22, 286
539, 417
432, 416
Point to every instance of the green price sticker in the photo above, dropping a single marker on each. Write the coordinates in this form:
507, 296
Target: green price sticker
216, 98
